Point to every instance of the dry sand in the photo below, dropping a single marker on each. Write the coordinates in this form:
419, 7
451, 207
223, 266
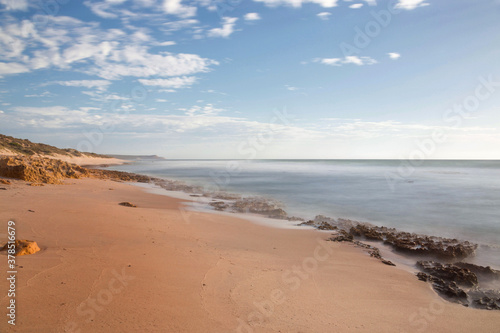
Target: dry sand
156, 268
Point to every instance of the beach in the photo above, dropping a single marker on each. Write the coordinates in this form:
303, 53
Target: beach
160, 268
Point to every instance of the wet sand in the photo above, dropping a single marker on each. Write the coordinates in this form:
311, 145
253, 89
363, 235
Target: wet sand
159, 268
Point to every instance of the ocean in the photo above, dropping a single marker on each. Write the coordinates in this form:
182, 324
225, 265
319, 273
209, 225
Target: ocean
449, 198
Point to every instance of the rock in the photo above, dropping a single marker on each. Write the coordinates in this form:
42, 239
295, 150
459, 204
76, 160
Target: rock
326, 226
3, 188
23, 247
449, 272
388, 262
415, 244
485, 299
449, 290
278, 214
127, 204
367, 232
341, 236
310, 222
485, 272
259, 205
219, 205
5, 182
39, 170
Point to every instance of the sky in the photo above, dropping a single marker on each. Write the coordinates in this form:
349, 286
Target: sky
254, 79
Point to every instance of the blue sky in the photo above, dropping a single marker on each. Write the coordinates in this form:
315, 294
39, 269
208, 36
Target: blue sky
405, 79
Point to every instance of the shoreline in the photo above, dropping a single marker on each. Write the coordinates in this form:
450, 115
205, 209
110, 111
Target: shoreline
214, 268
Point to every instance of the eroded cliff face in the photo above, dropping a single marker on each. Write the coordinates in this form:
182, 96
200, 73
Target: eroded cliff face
39, 169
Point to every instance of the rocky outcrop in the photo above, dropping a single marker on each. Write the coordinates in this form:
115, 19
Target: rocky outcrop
261, 206
485, 299
449, 272
39, 170
459, 283
341, 236
449, 289
416, 244
127, 204
485, 273
22, 247
219, 205
326, 226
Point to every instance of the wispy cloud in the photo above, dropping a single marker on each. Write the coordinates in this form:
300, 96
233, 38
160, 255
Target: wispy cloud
411, 4
394, 55
252, 17
14, 5
175, 82
298, 3
360, 61
99, 84
324, 15
68, 44
226, 30
356, 6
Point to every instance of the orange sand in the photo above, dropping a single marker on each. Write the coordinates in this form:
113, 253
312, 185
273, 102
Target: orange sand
155, 268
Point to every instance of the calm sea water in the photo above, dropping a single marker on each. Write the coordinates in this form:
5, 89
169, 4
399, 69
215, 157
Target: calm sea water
447, 198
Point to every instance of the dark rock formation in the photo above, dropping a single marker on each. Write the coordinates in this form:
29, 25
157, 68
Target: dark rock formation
415, 244
219, 205
127, 204
487, 273
341, 236
326, 226
485, 299
449, 272
450, 290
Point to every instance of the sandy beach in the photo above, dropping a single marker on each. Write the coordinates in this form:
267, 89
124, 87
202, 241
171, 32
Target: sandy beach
157, 268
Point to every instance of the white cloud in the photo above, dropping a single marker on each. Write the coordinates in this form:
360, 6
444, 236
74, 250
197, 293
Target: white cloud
21, 5
1, 112
167, 43
330, 61
178, 25
226, 30
394, 55
252, 17
206, 110
44, 94
356, 5
324, 15
175, 7
360, 61
99, 84
411, 4
101, 9
175, 82
12, 68
161, 100
291, 88
299, 3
